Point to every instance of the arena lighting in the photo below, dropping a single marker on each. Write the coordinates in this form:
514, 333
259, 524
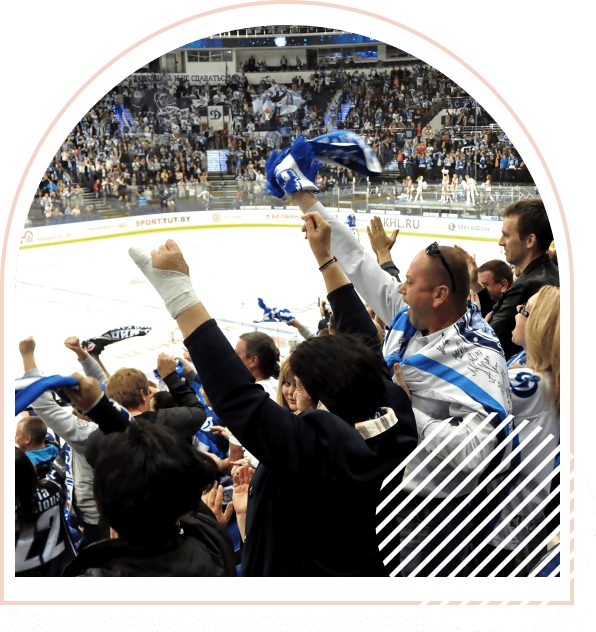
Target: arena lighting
280, 41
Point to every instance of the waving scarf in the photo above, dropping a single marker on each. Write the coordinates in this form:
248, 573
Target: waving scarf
28, 389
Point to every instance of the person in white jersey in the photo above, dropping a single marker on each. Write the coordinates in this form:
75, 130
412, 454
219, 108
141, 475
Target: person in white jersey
471, 190
419, 188
445, 354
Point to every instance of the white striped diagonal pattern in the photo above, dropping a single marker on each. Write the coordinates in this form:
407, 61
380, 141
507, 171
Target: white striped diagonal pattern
450, 497
478, 529
501, 546
467, 520
519, 583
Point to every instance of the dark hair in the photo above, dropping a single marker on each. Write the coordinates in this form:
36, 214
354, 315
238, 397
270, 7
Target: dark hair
163, 399
332, 322
263, 347
146, 478
343, 373
25, 484
34, 427
531, 220
499, 269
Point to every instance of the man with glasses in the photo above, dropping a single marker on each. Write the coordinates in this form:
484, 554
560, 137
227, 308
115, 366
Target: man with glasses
496, 277
447, 356
490, 281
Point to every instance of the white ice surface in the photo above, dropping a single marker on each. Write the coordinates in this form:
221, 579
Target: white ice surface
87, 288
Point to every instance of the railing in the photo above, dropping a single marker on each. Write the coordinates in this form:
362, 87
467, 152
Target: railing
360, 196
277, 30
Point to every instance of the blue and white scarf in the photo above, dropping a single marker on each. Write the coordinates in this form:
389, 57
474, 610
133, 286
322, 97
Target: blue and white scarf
61, 473
28, 389
161, 385
465, 364
343, 148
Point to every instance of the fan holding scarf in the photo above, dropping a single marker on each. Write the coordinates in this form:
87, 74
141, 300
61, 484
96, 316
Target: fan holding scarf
445, 353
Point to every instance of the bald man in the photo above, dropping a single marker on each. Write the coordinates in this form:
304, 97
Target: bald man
443, 351
30, 435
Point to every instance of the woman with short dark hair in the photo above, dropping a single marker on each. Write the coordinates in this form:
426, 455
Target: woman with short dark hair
316, 468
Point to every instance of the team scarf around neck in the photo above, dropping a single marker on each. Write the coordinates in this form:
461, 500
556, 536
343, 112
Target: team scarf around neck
465, 364
61, 473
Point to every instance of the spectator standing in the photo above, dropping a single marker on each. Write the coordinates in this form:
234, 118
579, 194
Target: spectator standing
526, 238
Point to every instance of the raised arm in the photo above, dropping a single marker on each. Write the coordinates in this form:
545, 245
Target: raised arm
272, 433
72, 429
91, 367
379, 289
350, 312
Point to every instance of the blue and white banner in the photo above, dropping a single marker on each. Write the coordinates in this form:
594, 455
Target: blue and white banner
28, 389
279, 96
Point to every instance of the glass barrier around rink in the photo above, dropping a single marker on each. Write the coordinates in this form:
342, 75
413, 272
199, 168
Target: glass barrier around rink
362, 196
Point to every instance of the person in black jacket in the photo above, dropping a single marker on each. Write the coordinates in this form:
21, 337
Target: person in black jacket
148, 483
526, 238
488, 282
130, 389
312, 500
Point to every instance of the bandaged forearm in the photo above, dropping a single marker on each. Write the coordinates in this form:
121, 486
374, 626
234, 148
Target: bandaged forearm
175, 288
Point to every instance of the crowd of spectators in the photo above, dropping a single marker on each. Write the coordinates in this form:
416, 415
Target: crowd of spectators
393, 110
230, 465
132, 151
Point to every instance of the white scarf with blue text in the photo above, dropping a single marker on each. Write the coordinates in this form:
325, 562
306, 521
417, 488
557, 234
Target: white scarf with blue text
465, 364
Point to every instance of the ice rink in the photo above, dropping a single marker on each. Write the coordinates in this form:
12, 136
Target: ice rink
87, 288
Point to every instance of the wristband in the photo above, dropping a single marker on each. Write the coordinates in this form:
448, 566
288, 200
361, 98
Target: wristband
328, 263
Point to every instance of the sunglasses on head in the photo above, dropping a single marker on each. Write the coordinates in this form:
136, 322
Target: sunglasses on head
433, 249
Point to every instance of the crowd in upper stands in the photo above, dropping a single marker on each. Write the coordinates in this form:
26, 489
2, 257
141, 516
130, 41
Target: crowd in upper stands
132, 153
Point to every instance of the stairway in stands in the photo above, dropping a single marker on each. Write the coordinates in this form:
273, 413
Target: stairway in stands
99, 206
223, 190
334, 114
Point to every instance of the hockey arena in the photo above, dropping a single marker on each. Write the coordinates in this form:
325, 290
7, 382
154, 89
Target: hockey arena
418, 204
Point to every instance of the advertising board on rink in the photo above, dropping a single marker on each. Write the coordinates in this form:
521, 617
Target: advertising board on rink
476, 229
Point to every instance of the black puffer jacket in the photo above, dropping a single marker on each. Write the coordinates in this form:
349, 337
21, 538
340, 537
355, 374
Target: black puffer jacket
204, 550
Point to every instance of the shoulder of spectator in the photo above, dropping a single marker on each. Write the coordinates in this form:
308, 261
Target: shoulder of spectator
391, 268
506, 308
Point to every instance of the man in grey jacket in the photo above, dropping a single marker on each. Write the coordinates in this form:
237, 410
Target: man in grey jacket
74, 429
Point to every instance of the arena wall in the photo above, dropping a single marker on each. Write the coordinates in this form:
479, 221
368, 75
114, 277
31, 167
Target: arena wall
420, 226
